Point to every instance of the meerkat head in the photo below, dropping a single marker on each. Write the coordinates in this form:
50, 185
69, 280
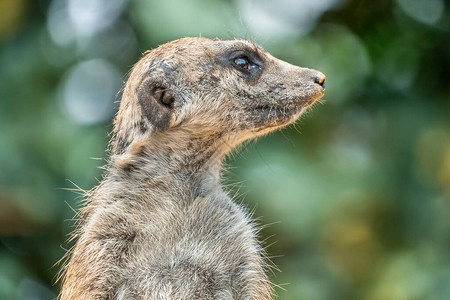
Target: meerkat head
231, 88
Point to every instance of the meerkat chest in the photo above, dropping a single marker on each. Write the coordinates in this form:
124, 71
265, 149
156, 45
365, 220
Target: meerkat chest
207, 227
206, 245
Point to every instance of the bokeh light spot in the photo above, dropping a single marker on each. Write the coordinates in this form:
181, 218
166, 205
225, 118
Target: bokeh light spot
424, 11
88, 91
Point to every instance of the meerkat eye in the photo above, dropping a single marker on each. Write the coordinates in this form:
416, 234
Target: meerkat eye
242, 62
246, 62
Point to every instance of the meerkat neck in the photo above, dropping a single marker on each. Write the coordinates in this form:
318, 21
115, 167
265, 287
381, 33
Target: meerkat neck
180, 161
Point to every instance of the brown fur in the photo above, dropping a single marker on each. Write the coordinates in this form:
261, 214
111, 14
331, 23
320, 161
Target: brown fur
159, 225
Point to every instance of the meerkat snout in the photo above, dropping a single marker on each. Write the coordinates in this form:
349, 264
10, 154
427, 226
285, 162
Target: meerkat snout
320, 79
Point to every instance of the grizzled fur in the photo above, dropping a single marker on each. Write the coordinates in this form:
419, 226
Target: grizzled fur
159, 225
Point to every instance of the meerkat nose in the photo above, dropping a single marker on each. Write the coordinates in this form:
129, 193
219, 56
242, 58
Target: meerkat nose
319, 78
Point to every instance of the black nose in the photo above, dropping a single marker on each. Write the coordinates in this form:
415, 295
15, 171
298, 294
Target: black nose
320, 80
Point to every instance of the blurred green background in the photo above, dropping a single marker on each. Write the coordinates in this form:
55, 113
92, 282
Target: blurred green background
357, 192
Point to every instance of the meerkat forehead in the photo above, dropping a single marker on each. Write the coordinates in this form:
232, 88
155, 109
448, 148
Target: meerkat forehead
199, 45
238, 44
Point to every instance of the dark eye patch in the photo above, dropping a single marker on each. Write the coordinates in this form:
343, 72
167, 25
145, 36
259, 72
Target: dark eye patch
246, 61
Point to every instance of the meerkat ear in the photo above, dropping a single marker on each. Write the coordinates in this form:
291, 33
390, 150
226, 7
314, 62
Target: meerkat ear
157, 104
163, 96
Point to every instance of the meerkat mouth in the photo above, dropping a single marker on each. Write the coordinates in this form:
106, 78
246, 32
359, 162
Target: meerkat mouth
271, 116
275, 116
287, 109
272, 110
277, 111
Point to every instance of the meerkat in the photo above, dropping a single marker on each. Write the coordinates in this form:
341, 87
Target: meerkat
160, 225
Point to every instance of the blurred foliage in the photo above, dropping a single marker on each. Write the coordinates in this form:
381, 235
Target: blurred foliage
357, 192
